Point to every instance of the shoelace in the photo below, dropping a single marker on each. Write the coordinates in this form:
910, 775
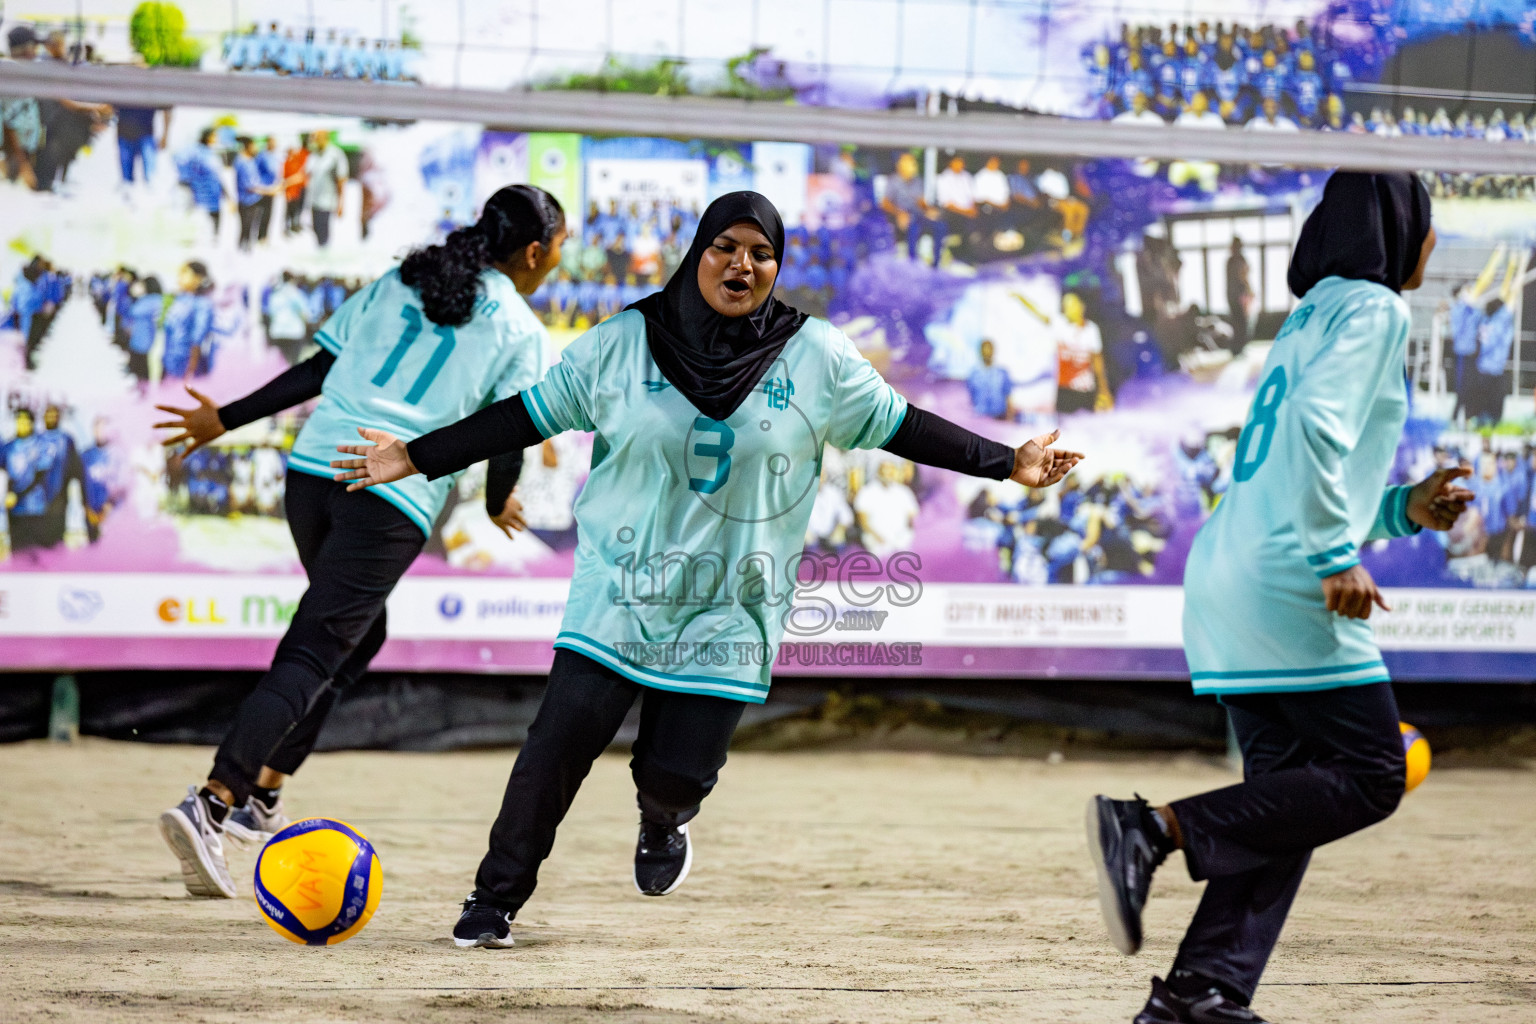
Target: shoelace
656, 838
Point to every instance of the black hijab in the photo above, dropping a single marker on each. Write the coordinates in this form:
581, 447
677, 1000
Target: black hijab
713, 360
1369, 227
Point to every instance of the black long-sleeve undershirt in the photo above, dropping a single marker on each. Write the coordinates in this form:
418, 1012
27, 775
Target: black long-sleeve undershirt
932, 440
500, 477
298, 383
303, 381
501, 428
506, 427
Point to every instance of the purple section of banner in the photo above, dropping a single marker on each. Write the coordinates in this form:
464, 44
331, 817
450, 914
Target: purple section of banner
533, 657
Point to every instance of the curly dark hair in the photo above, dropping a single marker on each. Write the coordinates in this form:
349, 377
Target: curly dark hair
447, 276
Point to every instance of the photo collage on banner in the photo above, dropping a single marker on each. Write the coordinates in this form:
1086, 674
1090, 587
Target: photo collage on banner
1132, 303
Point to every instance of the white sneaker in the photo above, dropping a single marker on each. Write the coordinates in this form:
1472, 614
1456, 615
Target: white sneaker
195, 840
255, 823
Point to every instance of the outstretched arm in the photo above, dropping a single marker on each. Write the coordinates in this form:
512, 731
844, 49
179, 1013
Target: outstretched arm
497, 429
934, 441
206, 421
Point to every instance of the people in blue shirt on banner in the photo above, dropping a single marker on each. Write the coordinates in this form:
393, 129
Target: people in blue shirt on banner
142, 317
104, 486
189, 324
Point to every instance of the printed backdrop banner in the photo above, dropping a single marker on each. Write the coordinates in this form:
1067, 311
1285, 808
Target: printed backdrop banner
1041, 56
1131, 303
554, 164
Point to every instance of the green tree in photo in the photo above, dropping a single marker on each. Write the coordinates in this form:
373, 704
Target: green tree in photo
158, 32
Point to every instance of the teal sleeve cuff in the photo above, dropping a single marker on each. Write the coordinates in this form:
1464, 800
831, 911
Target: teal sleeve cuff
1334, 570
1397, 522
1335, 560
539, 413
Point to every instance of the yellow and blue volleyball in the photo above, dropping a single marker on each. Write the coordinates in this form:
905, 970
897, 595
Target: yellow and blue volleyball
1416, 752
318, 881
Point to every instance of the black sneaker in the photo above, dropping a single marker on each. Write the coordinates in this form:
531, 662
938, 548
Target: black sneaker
1163, 1007
1124, 856
481, 924
1212, 1006
663, 856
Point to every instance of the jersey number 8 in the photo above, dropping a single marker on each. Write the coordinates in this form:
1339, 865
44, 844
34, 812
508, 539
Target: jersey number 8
412, 317
1251, 453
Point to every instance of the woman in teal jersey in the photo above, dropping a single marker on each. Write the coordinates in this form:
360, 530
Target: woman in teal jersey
1276, 603
711, 403
421, 347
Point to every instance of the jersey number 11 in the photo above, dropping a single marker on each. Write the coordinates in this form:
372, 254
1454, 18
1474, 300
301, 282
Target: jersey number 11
412, 317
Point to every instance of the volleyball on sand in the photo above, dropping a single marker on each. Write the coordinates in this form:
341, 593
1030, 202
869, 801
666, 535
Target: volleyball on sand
318, 881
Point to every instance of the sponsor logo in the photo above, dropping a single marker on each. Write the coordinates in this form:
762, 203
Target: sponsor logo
260, 610
193, 611
517, 608
267, 610
451, 606
552, 161
78, 605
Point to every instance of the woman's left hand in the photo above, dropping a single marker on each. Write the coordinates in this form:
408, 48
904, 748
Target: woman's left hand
1437, 502
1037, 464
511, 517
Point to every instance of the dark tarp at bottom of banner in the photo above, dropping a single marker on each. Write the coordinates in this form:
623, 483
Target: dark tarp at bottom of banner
434, 712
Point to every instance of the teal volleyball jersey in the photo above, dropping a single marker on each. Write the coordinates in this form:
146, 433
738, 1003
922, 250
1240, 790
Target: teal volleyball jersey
690, 529
1309, 486
398, 371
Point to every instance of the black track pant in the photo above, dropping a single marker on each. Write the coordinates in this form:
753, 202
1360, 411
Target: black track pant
677, 760
1317, 766
355, 547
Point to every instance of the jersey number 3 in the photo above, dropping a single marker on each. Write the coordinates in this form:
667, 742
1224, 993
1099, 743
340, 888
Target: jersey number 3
1253, 450
719, 450
412, 317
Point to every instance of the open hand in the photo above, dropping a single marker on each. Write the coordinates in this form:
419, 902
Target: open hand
1037, 464
1352, 592
384, 461
511, 517
198, 425
1436, 502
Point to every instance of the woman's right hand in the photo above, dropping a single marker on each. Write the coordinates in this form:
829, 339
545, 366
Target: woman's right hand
198, 425
384, 461
1351, 593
